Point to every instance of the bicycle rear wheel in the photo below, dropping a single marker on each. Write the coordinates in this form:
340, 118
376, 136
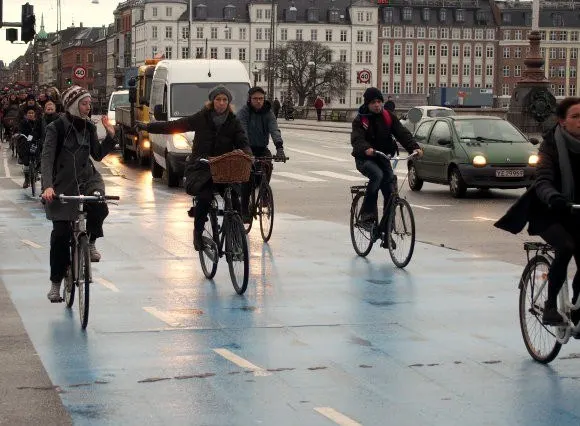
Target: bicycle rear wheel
266, 211
84, 273
361, 237
237, 253
540, 340
401, 232
209, 255
69, 287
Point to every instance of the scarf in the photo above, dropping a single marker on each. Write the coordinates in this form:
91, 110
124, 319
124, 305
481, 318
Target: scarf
219, 119
566, 142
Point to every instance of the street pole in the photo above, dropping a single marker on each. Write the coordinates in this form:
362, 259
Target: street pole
271, 55
189, 35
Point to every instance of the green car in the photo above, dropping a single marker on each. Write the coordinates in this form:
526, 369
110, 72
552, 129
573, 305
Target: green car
472, 151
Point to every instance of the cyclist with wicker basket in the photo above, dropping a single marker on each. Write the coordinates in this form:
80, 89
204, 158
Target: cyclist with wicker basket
217, 132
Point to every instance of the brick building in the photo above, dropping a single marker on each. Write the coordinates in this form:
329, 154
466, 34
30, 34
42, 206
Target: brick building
78, 54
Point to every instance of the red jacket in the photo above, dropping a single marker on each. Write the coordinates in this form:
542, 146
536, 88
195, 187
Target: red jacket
318, 103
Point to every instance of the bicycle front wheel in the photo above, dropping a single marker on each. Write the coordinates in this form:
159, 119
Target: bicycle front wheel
360, 235
266, 212
69, 287
84, 274
209, 254
237, 253
540, 339
401, 232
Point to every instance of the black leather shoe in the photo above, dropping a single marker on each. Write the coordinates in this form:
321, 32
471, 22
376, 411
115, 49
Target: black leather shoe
552, 317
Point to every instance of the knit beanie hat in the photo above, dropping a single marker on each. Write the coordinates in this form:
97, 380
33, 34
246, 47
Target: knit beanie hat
71, 98
220, 90
371, 94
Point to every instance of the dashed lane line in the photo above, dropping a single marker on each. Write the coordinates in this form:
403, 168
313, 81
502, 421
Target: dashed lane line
6, 169
241, 362
163, 316
313, 154
31, 244
299, 177
107, 284
336, 175
421, 207
336, 416
488, 219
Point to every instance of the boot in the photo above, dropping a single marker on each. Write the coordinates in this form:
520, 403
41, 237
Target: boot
26, 183
54, 293
551, 316
94, 253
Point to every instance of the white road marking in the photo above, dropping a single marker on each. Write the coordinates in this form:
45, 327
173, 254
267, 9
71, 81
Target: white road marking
163, 316
437, 205
337, 175
107, 284
328, 157
241, 362
31, 244
336, 417
296, 176
420, 207
485, 218
336, 146
464, 220
6, 169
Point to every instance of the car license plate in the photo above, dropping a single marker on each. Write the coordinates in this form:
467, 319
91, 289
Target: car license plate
509, 173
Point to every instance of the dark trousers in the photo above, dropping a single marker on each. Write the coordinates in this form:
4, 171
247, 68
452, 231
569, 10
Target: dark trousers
318, 113
566, 241
203, 202
61, 236
381, 176
258, 152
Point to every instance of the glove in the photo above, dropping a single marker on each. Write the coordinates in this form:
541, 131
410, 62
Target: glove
558, 202
280, 153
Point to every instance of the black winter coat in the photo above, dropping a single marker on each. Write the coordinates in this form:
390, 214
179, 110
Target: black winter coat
362, 139
207, 142
532, 207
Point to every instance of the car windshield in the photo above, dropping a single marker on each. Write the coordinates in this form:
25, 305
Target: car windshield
440, 112
119, 99
189, 98
488, 131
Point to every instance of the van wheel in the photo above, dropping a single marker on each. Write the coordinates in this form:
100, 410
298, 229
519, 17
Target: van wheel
457, 185
142, 158
156, 169
172, 177
126, 152
414, 182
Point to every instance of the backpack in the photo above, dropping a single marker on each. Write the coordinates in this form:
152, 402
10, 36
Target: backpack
388, 121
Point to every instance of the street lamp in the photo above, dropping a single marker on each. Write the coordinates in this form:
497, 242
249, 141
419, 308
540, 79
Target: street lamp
256, 72
312, 66
289, 67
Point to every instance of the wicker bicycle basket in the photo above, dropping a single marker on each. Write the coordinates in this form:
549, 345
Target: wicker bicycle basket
232, 167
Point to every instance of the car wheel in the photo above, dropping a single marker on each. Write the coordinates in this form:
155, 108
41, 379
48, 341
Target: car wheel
457, 184
156, 169
415, 183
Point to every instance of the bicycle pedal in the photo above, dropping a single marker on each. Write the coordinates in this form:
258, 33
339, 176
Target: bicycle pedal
57, 301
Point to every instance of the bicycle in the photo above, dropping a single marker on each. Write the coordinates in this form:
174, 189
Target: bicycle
543, 342
396, 229
262, 202
229, 237
79, 274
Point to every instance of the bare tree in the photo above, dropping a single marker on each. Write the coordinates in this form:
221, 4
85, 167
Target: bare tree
308, 67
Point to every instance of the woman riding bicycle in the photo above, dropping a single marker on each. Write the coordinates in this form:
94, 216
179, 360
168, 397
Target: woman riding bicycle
67, 169
546, 205
31, 125
217, 131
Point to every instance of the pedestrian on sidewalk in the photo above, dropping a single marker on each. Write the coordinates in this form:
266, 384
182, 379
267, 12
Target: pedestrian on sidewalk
390, 104
276, 107
318, 105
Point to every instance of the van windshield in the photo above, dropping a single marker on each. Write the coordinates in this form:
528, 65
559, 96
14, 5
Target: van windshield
118, 99
189, 98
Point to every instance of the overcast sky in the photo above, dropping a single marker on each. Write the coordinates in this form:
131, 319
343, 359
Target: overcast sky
91, 15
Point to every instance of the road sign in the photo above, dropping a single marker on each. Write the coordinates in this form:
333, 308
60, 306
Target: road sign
364, 76
80, 73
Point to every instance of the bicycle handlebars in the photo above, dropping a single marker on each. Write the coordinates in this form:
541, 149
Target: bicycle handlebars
88, 198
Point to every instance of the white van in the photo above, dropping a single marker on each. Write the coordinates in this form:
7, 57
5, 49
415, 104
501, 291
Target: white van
118, 98
181, 88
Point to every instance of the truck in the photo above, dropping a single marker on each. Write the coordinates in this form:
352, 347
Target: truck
460, 97
133, 143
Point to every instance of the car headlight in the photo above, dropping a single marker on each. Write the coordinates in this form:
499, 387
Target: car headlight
180, 141
479, 161
533, 160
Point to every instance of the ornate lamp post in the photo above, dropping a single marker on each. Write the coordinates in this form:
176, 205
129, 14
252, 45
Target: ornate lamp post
256, 72
289, 68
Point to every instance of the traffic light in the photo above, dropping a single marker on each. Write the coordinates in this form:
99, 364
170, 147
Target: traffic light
69, 81
1, 8
28, 21
11, 34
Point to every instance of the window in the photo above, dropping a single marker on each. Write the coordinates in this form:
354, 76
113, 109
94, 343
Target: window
259, 14
506, 52
168, 52
397, 49
267, 14
553, 53
557, 21
386, 32
573, 35
477, 69
456, 34
242, 54
342, 100
466, 51
432, 50
506, 18
228, 33
517, 70
518, 35
360, 16
359, 56
328, 35
479, 34
426, 13
388, 15
466, 70
359, 36
409, 49
443, 69
385, 68
489, 52
342, 55
572, 90
369, 16
562, 53
397, 68
396, 87
421, 50
185, 32
442, 15
169, 32
467, 33
153, 51
386, 49
154, 33
432, 33
431, 69
561, 91
506, 71
397, 32
369, 56
444, 33
213, 53
454, 69
421, 32
455, 50
408, 69
298, 34
574, 53
385, 87
243, 33
199, 52
409, 32
259, 34
506, 34
185, 53
408, 87
79, 60
420, 69
154, 11
517, 52
573, 72
199, 31
490, 34
342, 35
313, 35
358, 99
228, 53
407, 14
283, 34
443, 50
561, 72
258, 54
489, 70
505, 90
478, 51
213, 34
368, 36
168, 12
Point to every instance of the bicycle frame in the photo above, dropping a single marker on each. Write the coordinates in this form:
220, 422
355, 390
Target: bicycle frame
262, 168
228, 212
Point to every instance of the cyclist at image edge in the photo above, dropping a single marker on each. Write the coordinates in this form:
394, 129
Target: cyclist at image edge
67, 169
30, 125
217, 132
373, 129
259, 122
546, 205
